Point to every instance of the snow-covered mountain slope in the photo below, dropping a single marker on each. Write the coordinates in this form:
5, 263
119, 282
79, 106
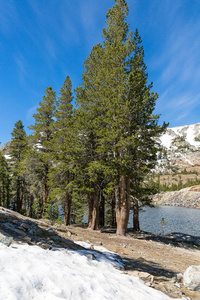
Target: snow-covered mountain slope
180, 159
187, 133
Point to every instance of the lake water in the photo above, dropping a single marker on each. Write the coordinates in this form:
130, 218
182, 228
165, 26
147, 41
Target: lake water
178, 219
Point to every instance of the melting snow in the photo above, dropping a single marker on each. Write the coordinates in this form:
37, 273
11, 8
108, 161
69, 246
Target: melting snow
29, 272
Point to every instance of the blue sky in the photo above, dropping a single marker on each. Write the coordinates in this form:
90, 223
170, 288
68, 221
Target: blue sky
43, 41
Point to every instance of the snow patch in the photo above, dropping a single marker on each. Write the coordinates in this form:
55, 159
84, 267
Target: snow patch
30, 272
189, 131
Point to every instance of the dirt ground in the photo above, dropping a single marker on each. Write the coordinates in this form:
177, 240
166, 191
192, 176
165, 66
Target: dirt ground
145, 253
157, 260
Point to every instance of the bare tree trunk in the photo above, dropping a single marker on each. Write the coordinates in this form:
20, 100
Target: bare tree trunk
102, 211
46, 191
95, 211
23, 195
122, 197
3, 195
136, 225
45, 196
113, 213
19, 202
7, 196
68, 201
117, 205
90, 208
30, 206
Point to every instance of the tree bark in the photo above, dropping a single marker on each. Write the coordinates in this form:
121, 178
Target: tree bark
102, 211
46, 191
30, 206
113, 213
95, 211
19, 206
68, 201
136, 225
122, 196
90, 208
45, 196
7, 196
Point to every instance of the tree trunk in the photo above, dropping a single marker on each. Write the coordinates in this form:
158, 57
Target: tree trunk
136, 225
113, 213
95, 211
90, 208
23, 198
122, 197
45, 196
46, 191
30, 206
3, 194
102, 211
68, 201
19, 205
7, 195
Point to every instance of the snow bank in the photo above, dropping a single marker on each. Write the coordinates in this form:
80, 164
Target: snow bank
29, 272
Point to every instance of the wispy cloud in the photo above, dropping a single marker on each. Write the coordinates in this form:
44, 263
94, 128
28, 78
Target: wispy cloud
180, 117
21, 67
179, 64
31, 111
8, 16
90, 22
179, 107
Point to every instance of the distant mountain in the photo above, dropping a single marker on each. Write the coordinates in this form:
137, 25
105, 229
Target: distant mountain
5, 148
187, 134
179, 162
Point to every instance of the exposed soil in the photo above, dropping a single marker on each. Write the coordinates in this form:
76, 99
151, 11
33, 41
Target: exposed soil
161, 257
155, 259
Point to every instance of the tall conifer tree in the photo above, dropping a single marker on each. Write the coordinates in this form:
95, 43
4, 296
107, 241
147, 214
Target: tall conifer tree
89, 119
39, 156
17, 147
130, 104
61, 175
117, 107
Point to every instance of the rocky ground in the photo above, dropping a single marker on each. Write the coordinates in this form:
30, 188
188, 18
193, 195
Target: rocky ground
158, 261
187, 197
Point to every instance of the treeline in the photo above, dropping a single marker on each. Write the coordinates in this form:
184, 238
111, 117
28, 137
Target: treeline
158, 184
93, 156
166, 187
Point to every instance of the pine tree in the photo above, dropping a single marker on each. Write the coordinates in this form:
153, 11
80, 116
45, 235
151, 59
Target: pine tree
89, 118
144, 125
129, 130
63, 143
115, 118
39, 155
17, 147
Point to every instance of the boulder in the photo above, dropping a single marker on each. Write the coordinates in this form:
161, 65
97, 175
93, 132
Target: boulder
6, 240
191, 278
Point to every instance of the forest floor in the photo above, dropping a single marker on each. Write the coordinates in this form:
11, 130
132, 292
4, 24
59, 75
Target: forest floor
143, 254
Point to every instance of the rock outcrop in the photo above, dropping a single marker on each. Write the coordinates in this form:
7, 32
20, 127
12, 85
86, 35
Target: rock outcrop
188, 197
5, 148
20, 229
